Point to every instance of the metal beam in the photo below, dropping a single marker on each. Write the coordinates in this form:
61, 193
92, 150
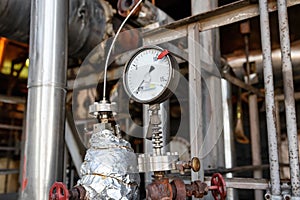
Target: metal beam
221, 16
8, 171
12, 100
73, 148
195, 97
280, 97
242, 84
10, 127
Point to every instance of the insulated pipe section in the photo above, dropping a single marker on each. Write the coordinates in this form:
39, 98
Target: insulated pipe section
289, 100
14, 19
109, 170
269, 99
46, 98
89, 23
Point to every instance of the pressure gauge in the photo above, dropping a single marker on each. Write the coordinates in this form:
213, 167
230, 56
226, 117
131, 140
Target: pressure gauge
151, 75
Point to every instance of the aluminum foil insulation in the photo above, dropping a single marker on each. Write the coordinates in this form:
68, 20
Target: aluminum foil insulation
109, 170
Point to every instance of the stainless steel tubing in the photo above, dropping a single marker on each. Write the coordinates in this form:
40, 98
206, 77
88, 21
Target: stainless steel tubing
269, 98
229, 149
255, 140
46, 98
289, 100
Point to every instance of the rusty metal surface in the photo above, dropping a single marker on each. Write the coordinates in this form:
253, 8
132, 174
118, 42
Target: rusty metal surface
196, 189
289, 97
269, 98
77, 193
180, 189
125, 6
176, 190
159, 189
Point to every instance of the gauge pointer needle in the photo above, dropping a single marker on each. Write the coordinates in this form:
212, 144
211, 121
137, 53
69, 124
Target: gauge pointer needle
150, 70
163, 54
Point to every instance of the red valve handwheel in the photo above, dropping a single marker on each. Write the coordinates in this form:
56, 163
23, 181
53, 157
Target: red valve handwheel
218, 187
58, 191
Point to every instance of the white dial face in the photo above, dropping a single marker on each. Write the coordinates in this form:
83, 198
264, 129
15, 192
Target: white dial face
147, 75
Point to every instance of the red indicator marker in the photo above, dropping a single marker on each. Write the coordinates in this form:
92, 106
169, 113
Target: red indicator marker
163, 54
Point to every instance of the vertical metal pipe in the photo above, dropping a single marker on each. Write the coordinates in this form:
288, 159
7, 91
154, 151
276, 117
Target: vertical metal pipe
289, 100
255, 140
46, 98
269, 99
278, 127
229, 150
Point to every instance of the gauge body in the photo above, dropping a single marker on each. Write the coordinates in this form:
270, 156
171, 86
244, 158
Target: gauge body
151, 75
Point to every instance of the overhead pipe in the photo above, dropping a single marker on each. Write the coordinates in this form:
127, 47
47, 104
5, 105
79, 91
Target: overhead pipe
289, 100
236, 61
269, 99
89, 23
43, 153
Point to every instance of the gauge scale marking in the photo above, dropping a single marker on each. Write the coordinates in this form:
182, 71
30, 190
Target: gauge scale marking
150, 75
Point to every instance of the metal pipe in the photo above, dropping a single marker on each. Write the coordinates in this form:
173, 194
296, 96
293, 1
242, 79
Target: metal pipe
280, 97
12, 100
87, 23
10, 127
229, 150
109, 170
269, 99
8, 171
241, 84
255, 140
46, 98
289, 100
236, 61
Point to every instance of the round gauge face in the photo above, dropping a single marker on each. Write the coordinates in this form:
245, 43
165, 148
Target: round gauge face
147, 74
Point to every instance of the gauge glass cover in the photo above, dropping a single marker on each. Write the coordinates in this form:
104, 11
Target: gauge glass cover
146, 76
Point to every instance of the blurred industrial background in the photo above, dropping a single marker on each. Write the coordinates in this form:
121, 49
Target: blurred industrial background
253, 101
